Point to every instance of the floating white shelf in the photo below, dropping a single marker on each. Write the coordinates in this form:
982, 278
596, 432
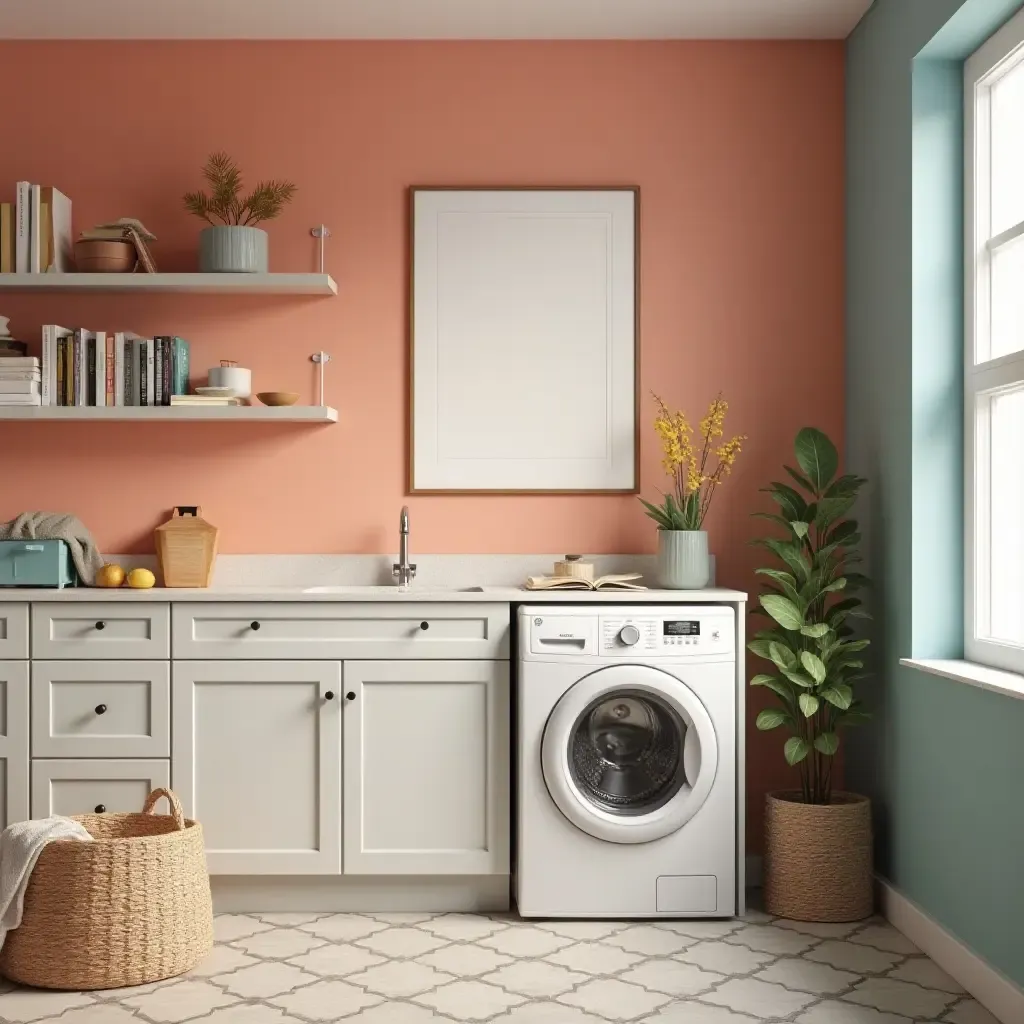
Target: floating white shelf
165, 414
194, 284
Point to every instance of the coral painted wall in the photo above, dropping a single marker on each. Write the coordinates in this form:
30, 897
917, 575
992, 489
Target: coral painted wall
737, 149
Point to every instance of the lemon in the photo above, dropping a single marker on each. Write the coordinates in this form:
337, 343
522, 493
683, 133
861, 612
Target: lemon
111, 575
141, 579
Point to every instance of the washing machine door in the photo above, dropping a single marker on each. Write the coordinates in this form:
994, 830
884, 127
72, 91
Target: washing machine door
629, 754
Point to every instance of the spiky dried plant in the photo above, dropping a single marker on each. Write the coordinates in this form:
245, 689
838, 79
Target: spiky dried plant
265, 201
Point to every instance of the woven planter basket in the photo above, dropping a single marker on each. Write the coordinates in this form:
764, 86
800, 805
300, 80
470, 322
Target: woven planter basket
818, 858
130, 908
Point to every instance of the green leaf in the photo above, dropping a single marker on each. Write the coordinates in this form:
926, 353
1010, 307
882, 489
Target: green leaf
798, 677
843, 533
815, 630
782, 610
799, 478
657, 514
796, 749
790, 553
777, 686
826, 743
786, 582
772, 518
847, 484
799, 528
817, 457
809, 704
839, 584
791, 502
852, 646
855, 718
813, 665
856, 581
831, 509
781, 655
772, 718
839, 695
760, 648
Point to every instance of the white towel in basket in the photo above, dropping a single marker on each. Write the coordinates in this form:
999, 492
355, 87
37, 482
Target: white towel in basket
20, 846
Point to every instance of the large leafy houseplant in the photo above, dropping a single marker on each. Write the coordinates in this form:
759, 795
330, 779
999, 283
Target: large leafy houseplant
810, 598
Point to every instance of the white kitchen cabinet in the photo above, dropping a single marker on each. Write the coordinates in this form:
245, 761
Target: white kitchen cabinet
94, 786
13, 742
13, 631
426, 767
101, 629
256, 757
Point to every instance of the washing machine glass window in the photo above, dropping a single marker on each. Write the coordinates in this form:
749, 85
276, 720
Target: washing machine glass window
627, 752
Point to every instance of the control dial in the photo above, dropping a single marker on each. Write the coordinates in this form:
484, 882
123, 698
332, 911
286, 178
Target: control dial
629, 635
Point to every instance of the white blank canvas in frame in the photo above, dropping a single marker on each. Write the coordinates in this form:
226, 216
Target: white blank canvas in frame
524, 340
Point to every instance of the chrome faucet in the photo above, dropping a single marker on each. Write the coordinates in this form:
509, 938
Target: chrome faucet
403, 570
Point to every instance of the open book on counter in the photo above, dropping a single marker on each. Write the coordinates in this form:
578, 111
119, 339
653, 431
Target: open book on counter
613, 581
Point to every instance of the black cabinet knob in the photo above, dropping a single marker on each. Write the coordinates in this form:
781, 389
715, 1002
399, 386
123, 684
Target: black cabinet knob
329, 695
101, 709
424, 625
101, 625
254, 625
351, 695
99, 808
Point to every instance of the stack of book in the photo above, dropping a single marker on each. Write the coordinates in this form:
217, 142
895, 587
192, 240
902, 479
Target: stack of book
19, 380
35, 231
96, 368
205, 401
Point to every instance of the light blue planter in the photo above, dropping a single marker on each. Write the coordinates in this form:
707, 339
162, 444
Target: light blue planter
231, 249
683, 559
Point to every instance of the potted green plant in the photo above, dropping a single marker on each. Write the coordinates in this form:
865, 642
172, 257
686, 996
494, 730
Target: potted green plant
818, 846
696, 470
235, 245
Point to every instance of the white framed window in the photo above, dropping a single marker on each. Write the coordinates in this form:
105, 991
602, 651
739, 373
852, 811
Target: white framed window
994, 350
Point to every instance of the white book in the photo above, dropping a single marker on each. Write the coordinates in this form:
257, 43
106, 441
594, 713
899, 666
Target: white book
138, 363
51, 335
19, 387
99, 345
19, 400
61, 243
22, 226
119, 368
82, 365
150, 374
21, 375
34, 232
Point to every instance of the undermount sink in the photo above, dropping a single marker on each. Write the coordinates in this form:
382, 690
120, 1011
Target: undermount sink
391, 589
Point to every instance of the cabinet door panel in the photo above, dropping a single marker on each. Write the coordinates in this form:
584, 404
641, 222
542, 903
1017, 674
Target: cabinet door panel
13, 631
426, 767
13, 742
101, 629
83, 786
257, 759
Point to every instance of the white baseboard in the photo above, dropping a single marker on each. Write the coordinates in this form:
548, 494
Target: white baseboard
997, 993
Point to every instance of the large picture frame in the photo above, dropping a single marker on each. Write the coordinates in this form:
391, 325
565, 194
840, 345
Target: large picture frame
524, 340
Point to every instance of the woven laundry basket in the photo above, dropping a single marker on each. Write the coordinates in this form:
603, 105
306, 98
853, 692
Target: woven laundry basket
130, 908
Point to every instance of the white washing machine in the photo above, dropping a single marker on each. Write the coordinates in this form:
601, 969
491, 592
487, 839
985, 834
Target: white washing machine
627, 762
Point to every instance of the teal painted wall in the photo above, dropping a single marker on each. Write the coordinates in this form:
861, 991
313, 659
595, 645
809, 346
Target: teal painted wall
944, 762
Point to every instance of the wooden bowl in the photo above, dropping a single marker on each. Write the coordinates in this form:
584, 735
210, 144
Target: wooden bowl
277, 397
100, 256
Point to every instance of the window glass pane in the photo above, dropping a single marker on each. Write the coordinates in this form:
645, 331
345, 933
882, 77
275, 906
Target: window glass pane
1007, 331
1007, 511
1008, 150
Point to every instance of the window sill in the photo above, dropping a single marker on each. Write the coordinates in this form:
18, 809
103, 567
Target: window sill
998, 681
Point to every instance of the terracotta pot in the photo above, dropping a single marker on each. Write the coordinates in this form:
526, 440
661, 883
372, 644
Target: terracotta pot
818, 858
103, 256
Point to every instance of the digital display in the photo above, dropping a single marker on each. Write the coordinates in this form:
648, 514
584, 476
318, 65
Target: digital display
681, 628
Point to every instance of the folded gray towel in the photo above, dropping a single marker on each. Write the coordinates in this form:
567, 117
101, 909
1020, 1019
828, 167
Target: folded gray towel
58, 526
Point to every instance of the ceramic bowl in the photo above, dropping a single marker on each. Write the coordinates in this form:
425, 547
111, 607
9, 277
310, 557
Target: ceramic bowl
277, 397
100, 256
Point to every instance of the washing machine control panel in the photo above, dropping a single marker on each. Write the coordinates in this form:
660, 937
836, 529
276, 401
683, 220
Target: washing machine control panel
673, 635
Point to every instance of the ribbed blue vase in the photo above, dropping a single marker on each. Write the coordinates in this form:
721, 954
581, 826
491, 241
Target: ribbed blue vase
232, 249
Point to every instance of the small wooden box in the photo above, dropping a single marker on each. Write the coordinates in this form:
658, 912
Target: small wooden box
186, 548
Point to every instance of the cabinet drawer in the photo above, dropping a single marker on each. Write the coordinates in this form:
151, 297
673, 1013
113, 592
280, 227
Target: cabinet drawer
100, 630
342, 630
83, 787
13, 631
101, 709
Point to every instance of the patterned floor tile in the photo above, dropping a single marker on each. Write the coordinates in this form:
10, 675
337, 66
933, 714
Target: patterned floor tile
535, 978
548, 1013
326, 1001
651, 941
249, 1013
833, 1012
819, 929
400, 978
581, 930
402, 917
289, 920
278, 943
900, 997
343, 927
34, 1004
220, 960
672, 978
614, 999
181, 1002
970, 1012
724, 957
746, 995
470, 1000
462, 927
402, 942
526, 941
697, 1013
594, 958
397, 1013
468, 961
228, 927
700, 929
884, 936
264, 980
807, 976
769, 939
922, 971
336, 961
850, 956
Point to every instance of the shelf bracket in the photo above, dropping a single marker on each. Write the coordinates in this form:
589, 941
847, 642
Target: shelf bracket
321, 359
322, 233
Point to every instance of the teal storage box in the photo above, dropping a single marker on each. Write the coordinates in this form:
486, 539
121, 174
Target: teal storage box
36, 563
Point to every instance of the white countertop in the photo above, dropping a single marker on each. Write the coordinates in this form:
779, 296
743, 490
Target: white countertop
423, 593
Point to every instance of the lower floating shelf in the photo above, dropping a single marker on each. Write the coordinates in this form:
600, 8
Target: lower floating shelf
165, 414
